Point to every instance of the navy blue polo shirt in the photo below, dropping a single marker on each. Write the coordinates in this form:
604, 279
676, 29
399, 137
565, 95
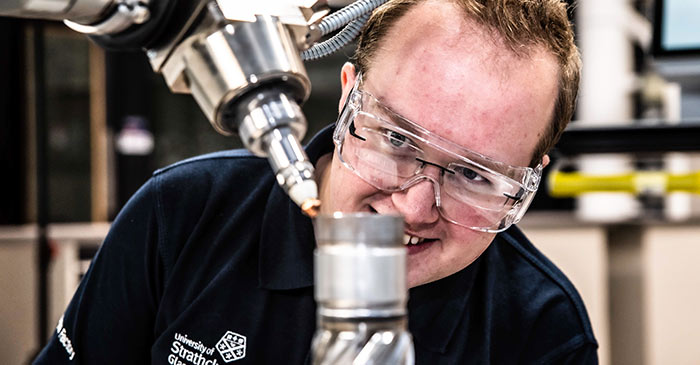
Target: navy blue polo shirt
211, 263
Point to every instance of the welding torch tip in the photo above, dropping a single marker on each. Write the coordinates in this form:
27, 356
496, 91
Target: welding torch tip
311, 207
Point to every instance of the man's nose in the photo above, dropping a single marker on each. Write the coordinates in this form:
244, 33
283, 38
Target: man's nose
417, 203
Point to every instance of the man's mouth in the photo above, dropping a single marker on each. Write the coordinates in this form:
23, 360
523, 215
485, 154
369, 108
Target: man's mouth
409, 240
412, 240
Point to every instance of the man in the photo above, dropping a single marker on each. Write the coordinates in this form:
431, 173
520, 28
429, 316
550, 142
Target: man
445, 119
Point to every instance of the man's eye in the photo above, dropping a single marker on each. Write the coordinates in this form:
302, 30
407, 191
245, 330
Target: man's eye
472, 175
397, 139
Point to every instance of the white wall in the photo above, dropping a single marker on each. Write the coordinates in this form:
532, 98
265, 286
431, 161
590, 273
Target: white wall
581, 253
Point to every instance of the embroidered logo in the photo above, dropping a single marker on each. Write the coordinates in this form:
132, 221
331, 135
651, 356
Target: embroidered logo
231, 346
63, 338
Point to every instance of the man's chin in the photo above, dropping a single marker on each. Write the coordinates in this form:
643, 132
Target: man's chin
416, 282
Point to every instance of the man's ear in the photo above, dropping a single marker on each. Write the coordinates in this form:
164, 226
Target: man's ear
347, 81
545, 160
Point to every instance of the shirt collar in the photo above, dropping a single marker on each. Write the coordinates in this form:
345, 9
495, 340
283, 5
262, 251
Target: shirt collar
287, 238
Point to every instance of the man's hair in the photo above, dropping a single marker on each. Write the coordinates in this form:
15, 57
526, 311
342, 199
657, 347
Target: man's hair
521, 24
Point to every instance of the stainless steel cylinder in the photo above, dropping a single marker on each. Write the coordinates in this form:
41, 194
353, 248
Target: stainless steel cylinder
240, 57
361, 291
360, 266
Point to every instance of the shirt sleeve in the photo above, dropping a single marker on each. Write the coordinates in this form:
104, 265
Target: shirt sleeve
110, 319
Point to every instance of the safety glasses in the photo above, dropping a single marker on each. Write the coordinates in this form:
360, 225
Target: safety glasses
393, 153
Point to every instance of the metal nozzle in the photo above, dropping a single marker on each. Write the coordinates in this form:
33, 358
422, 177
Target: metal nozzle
311, 207
269, 123
249, 80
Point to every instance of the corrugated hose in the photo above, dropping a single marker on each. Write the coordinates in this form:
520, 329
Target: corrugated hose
353, 16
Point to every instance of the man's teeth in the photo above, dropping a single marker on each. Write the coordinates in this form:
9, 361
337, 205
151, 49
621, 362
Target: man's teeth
408, 239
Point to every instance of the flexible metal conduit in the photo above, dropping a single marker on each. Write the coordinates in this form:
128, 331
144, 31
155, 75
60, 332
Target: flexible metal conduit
336, 42
347, 14
354, 15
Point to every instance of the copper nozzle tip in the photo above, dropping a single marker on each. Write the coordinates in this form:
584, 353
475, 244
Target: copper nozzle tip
311, 207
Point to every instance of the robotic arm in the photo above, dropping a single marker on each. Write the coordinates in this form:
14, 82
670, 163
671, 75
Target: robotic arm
240, 60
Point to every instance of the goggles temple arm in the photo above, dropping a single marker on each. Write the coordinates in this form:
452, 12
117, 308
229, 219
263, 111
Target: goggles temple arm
518, 197
352, 129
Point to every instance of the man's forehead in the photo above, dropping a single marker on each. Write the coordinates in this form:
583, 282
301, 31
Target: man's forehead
464, 93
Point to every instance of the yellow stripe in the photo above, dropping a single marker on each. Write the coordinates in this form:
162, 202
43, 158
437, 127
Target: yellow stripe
571, 184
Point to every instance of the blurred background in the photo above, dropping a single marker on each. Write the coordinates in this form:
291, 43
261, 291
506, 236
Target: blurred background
82, 128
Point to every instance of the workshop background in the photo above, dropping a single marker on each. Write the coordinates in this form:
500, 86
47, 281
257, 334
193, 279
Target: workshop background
82, 128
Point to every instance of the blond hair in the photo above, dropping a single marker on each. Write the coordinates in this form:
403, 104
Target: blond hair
522, 25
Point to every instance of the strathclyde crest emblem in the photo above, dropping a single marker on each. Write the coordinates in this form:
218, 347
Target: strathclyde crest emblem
231, 346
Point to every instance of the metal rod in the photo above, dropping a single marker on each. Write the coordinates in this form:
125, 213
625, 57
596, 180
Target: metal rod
42, 192
681, 137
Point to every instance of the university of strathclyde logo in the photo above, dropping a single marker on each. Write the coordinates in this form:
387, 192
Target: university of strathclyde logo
231, 346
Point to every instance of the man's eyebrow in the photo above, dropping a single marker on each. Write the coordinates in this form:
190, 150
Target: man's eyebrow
407, 124
395, 117
486, 163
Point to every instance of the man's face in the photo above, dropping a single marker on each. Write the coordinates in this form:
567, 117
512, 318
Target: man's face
445, 74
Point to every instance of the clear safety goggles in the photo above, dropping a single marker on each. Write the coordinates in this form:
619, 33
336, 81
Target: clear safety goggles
391, 153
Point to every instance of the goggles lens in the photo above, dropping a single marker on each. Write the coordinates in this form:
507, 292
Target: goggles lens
391, 153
